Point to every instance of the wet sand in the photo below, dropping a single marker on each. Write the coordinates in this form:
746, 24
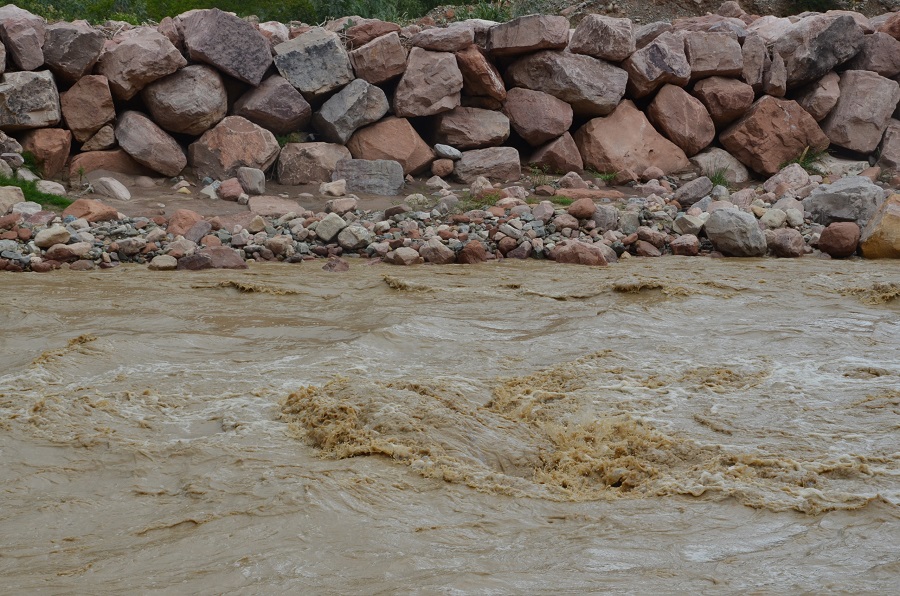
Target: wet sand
662, 425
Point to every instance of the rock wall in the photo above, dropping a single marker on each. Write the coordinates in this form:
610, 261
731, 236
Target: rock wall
208, 92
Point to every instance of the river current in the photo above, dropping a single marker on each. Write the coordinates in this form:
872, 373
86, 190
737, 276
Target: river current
656, 426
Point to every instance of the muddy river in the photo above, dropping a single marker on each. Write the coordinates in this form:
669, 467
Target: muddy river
657, 426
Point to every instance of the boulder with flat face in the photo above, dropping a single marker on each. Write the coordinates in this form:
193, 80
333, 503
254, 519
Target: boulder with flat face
233, 143
528, 34
379, 60
816, 45
480, 76
50, 148
227, 42
862, 112
356, 105
713, 54
725, 99
28, 100
72, 49
662, 61
820, 97
23, 34
853, 198
378, 177
536, 116
142, 57
314, 62
444, 39
431, 84
603, 37
879, 53
276, 106
756, 59
773, 132
190, 101
735, 233
559, 156
881, 237
394, 139
592, 87
471, 128
494, 163
307, 163
889, 150
626, 141
682, 119
149, 145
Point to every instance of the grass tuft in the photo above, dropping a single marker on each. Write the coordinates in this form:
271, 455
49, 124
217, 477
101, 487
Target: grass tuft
809, 160
31, 192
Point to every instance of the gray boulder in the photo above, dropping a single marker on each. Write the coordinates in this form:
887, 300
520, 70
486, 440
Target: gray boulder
229, 43
376, 177
494, 163
315, 62
28, 100
354, 237
854, 198
330, 226
691, 192
189, 101
735, 233
356, 105
23, 34
72, 49
817, 44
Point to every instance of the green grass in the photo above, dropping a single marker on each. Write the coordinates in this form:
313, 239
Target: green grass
809, 160
539, 176
29, 189
555, 199
717, 177
605, 176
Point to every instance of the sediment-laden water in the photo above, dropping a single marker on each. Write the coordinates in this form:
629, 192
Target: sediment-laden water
654, 426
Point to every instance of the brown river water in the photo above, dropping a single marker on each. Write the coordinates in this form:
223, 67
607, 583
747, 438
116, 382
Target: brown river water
656, 426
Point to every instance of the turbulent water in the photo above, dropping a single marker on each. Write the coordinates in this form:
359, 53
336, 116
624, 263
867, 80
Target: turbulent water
667, 425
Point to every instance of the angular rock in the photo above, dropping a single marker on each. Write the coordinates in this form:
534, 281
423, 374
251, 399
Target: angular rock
115, 160
480, 76
230, 44
72, 49
528, 34
691, 192
275, 105
683, 119
879, 53
536, 116
688, 225
889, 150
686, 245
444, 39
591, 86
232, 143
494, 163
775, 77
87, 106
603, 37
840, 239
785, 243
816, 45
213, 257
471, 128
574, 252
307, 163
66, 253
330, 226
354, 237
111, 188
314, 62
626, 141
274, 32
735, 233
91, 210
182, 221
725, 99
756, 60
378, 177
9, 196
149, 145
50, 236
435, 251
266, 206
28, 100
582, 209
854, 198
713, 54
50, 148
190, 101
819, 98
430, 85
392, 139
559, 156
379, 60
368, 30
791, 178
138, 60
862, 112
404, 256
356, 105
773, 132
881, 237
252, 180
23, 34
662, 61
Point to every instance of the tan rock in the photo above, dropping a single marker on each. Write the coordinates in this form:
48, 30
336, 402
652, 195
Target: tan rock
91, 210
775, 77
889, 150
233, 143
149, 145
50, 147
879, 53
190, 101
442, 167
395, 139
480, 76
559, 156
756, 60
881, 238
87, 106
603, 37
115, 160
307, 163
105, 138
862, 112
713, 54
683, 119
183, 220
536, 116
528, 34
625, 140
725, 99
430, 85
471, 128
379, 60
819, 98
773, 132
142, 57
444, 39
662, 61
494, 163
